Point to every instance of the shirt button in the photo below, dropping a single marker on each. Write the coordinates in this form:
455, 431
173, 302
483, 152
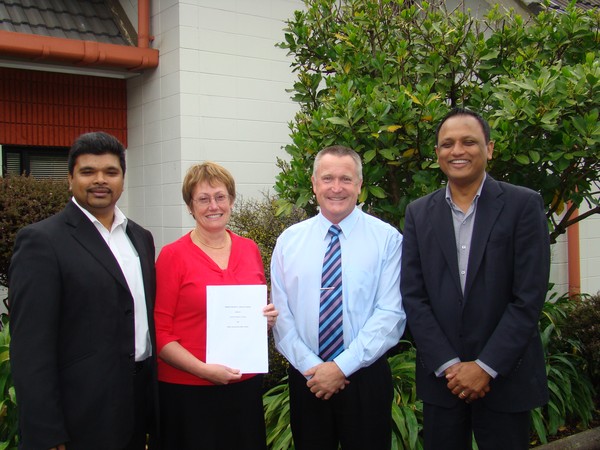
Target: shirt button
463, 247
462, 272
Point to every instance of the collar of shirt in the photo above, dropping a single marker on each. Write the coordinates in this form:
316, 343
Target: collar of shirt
119, 220
475, 199
347, 224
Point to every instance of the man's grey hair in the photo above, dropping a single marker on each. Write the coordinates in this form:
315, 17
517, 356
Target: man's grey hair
339, 150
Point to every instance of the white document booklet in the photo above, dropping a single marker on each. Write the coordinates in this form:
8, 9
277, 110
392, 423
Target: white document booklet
236, 330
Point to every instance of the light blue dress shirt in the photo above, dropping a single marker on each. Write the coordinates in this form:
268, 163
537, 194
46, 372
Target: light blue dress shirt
374, 318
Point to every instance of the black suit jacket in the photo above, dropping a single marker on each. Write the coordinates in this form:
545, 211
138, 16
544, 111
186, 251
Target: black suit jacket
72, 333
496, 319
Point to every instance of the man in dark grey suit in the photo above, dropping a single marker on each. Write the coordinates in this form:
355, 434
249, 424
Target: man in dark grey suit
81, 300
475, 268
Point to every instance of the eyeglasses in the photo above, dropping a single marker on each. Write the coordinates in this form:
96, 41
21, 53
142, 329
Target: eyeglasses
206, 199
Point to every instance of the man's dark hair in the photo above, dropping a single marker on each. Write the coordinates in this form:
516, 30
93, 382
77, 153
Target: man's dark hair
465, 112
96, 143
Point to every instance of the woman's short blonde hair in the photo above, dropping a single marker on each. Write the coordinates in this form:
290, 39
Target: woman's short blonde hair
209, 172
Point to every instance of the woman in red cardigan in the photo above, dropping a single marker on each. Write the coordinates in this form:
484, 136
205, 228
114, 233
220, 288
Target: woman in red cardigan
207, 406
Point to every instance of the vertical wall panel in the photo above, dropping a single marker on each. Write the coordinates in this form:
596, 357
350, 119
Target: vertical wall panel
52, 109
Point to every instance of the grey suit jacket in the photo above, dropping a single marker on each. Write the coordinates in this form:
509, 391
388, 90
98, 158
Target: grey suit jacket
496, 319
72, 333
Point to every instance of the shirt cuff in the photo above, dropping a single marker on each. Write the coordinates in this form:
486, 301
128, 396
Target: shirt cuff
491, 372
346, 363
440, 370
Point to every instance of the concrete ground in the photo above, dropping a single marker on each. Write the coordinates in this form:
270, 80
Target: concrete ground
586, 440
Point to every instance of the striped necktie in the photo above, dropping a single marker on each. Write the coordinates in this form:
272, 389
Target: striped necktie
331, 333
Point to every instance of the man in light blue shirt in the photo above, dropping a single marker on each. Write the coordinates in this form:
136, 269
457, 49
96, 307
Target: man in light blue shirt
346, 400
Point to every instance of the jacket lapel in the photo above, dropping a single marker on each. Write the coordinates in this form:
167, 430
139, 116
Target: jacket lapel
84, 232
443, 229
489, 205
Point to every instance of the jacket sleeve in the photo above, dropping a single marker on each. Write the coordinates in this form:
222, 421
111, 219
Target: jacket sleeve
530, 275
35, 305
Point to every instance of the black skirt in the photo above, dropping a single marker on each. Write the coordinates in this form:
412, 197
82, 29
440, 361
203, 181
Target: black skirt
212, 417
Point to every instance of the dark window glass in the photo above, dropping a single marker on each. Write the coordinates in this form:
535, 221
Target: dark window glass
39, 162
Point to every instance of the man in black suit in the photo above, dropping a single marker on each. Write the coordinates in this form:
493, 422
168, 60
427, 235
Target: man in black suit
81, 301
475, 268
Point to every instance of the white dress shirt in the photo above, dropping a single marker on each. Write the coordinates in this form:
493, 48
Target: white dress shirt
129, 261
373, 316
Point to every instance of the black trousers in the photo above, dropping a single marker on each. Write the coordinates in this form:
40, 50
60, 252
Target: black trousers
144, 407
453, 428
357, 418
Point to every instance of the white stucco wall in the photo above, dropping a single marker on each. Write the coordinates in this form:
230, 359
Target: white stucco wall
589, 257
559, 266
218, 94
589, 249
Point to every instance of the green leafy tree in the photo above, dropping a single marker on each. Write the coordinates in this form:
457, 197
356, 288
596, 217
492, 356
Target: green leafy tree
378, 76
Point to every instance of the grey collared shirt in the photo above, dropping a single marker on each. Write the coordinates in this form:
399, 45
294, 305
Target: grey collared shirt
463, 231
463, 234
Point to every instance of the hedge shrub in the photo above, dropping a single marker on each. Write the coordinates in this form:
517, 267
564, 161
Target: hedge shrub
25, 200
583, 325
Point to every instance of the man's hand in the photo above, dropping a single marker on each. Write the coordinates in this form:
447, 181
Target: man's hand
60, 447
271, 314
326, 379
468, 381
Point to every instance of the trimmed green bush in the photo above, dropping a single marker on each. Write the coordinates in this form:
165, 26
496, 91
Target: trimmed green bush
583, 325
256, 220
25, 200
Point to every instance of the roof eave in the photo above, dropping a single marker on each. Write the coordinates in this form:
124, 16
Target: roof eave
37, 48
